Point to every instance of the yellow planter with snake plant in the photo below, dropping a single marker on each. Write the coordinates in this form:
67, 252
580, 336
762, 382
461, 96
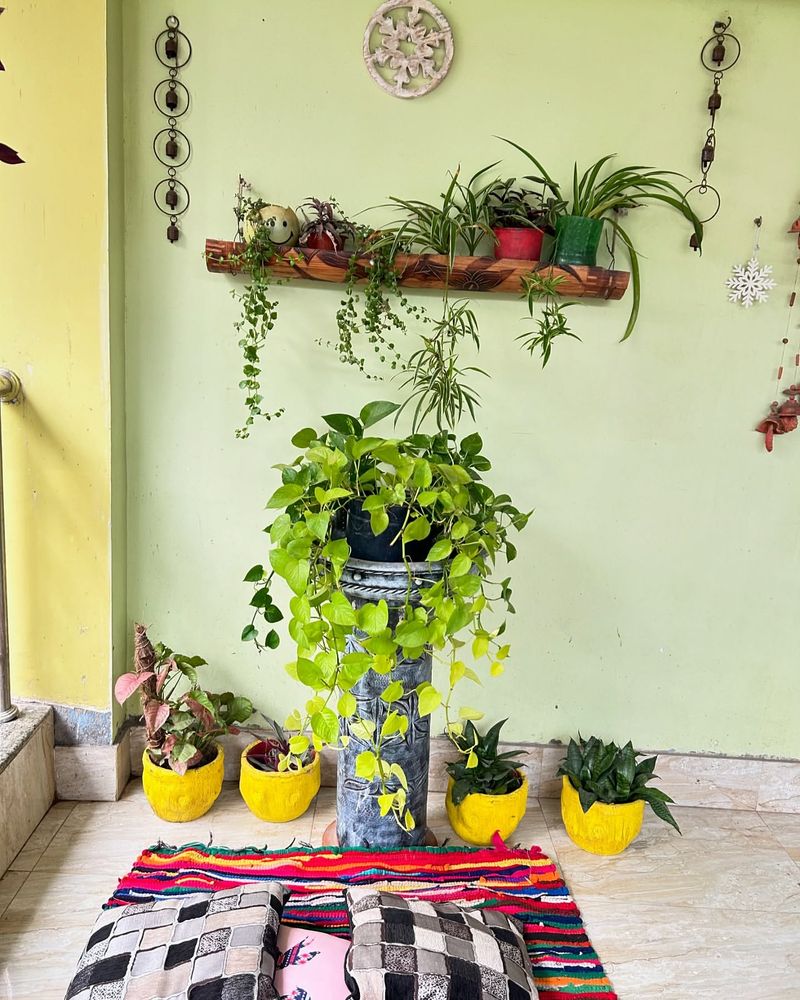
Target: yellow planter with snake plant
487, 793
603, 794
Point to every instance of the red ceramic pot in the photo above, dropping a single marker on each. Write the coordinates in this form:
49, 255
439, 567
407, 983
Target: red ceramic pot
319, 241
518, 243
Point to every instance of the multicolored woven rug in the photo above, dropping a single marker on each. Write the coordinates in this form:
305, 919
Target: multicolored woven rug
524, 884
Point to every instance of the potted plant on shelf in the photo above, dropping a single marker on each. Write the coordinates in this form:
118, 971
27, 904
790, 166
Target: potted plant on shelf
598, 198
182, 761
519, 219
277, 785
487, 793
366, 631
324, 228
603, 794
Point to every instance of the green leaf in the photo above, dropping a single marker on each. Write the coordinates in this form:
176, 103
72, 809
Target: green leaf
318, 524
470, 713
461, 565
363, 729
347, 705
366, 765
429, 700
284, 496
325, 725
393, 692
412, 633
373, 618
472, 444
360, 448
249, 632
294, 571
310, 674
304, 437
480, 645
343, 423
339, 611
378, 410
272, 639
299, 744
440, 550
378, 521
417, 529
254, 575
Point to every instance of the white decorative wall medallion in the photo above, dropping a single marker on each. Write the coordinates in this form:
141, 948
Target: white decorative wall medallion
408, 47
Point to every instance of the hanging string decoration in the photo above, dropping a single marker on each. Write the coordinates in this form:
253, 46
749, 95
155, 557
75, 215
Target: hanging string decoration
7, 154
171, 146
783, 417
719, 54
751, 283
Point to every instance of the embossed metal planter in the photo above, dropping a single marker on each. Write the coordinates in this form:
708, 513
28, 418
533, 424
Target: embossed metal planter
358, 819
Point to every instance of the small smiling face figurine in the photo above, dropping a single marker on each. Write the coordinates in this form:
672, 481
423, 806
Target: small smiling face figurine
281, 224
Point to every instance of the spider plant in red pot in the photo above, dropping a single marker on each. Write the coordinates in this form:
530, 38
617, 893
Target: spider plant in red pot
325, 228
519, 219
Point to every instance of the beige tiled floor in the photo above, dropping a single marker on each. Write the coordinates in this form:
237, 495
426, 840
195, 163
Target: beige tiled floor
712, 915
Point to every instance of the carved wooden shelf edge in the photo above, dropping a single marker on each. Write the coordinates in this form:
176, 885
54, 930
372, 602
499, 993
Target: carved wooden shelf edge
427, 270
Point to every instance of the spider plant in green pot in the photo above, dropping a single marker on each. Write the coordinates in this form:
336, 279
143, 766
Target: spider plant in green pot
603, 794
598, 198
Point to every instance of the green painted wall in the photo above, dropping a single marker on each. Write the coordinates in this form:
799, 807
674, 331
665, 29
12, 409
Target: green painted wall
657, 583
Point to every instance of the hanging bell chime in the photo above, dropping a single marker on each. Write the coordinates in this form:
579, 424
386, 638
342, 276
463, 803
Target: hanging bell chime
173, 233
171, 47
718, 53
171, 198
715, 101
693, 242
707, 156
171, 99
171, 149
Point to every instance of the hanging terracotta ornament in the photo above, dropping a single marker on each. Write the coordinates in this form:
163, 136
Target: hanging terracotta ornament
751, 282
783, 417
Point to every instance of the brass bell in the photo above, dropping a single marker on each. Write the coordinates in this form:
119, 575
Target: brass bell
707, 156
173, 233
718, 53
715, 102
171, 47
171, 198
171, 100
171, 149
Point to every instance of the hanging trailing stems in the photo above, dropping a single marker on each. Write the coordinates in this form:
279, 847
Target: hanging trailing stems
437, 481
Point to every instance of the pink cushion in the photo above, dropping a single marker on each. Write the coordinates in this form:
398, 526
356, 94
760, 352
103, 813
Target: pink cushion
310, 965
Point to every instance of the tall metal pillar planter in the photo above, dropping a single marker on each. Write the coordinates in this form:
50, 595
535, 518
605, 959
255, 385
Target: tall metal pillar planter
358, 819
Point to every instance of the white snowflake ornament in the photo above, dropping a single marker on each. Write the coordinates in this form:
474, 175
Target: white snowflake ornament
750, 283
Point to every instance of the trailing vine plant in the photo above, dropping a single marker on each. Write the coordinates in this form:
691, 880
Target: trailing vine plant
551, 323
438, 483
258, 309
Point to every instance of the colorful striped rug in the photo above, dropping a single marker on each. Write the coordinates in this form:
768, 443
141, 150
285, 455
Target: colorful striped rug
522, 883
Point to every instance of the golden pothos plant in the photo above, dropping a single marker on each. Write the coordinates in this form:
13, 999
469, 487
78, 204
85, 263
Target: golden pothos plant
437, 483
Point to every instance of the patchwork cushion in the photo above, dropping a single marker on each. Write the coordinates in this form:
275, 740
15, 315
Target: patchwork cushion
310, 965
217, 946
405, 949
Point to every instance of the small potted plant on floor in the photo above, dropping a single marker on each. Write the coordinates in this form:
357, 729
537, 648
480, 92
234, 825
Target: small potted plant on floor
182, 763
279, 776
487, 792
324, 226
519, 219
603, 794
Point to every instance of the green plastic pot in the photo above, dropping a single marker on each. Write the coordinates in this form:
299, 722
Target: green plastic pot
577, 240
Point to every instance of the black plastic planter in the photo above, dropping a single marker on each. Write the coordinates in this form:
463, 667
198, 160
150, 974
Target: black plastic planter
381, 548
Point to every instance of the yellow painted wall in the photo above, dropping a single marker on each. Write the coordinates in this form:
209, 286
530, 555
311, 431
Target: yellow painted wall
54, 331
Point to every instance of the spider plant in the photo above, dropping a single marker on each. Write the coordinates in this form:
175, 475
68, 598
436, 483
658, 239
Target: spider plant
460, 218
606, 197
551, 323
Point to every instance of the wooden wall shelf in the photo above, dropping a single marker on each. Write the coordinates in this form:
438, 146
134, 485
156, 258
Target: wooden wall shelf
427, 270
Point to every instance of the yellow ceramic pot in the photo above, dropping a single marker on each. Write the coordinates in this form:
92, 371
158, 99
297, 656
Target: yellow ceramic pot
278, 796
604, 829
180, 798
478, 817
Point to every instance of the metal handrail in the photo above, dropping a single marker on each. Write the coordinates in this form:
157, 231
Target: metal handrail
10, 392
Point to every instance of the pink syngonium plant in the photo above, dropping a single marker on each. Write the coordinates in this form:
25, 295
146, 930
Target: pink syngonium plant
182, 721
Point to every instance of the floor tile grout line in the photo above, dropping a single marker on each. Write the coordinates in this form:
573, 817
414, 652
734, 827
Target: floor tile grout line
16, 891
49, 842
